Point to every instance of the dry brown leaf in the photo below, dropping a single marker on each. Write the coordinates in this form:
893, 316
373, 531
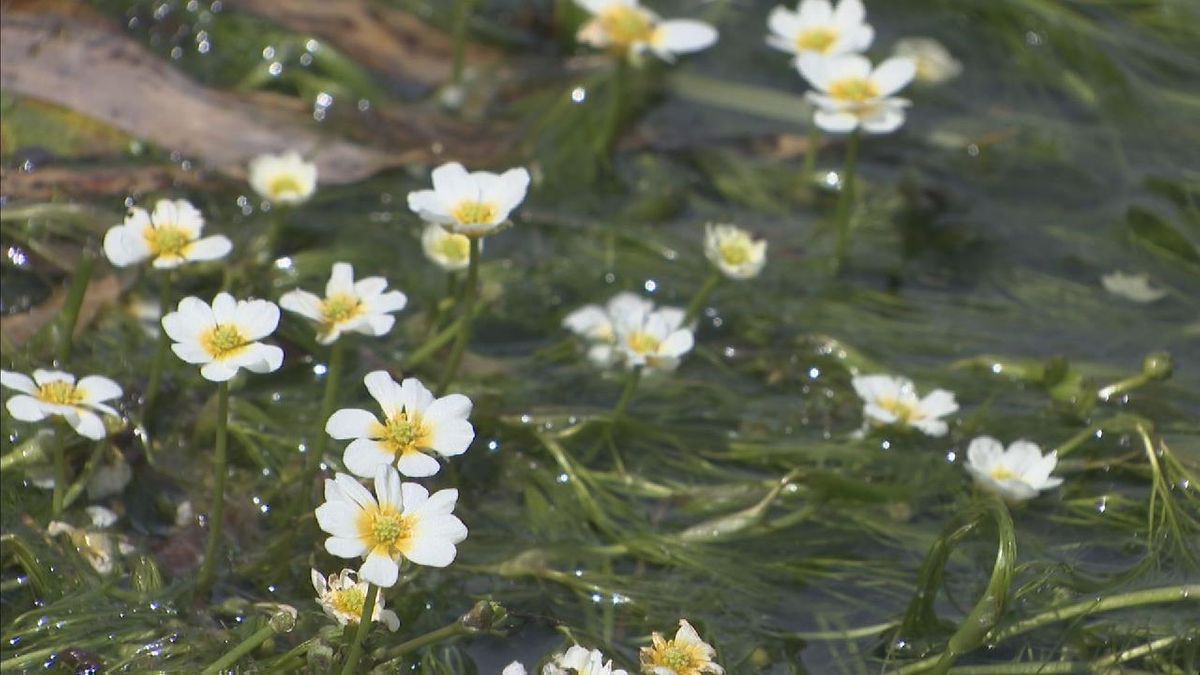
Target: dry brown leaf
93, 181
101, 292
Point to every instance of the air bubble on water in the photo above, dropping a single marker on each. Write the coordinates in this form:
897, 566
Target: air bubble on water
578, 95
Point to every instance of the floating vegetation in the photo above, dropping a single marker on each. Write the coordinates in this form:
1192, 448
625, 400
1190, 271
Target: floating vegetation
950, 424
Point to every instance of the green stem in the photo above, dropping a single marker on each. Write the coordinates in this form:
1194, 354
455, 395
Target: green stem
848, 634
1153, 596
697, 303
612, 120
60, 471
846, 201
464, 328
462, 16
433, 637
631, 383
274, 233
32, 451
312, 461
81, 481
160, 350
810, 158
248, 645
70, 309
364, 625
418, 355
217, 512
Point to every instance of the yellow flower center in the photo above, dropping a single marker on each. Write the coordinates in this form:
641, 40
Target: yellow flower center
404, 434
340, 308
285, 185
454, 247
59, 392
904, 411
681, 657
854, 90
818, 39
626, 25
167, 240
348, 601
735, 251
474, 213
642, 342
223, 341
1001, 473
385, 530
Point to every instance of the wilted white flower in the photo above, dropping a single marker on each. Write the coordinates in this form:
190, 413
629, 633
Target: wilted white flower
450, 251
348, 306
816, 27
1016, 474
580, 661
109, 478
472, 204
224, 337
283, 179
685, 654
935, 63
597, 325
99, 548
414, 425
101, 517
851, 95
630, 331
1135, 287
891, 400
732, 250
170, 237
401, 520
55, 393
629, 30
342, 596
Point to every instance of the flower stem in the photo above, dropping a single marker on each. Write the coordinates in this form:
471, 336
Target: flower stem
846, 202
612, 121
810, 158
245, 647
60, 471
160, 351
217, 512
70, 309
312, 461
462, 16
631, 383
432, 637
468, 311
364, 625
697, 303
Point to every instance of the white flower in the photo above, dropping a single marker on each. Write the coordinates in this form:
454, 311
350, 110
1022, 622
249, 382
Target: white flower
817, 28
405, 522
685, 654
283, 179
597, 324
51, 392
170, 236
1135, 287
342, 597
732, 250
626, 29
935, 63
656, 340
450, 251
348, 306
224, 337
414, 424
851, 95
471, 204
514, 668
893, 400
99, 548
1016, 474
101, 516
580, 661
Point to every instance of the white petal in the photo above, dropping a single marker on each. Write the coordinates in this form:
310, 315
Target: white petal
339, 518
26, 408
369, 288
387, 487
414, 396
815, 12
816, 69
88, 424
257, 318
849, 13
432, 551
18, 381
893, 75
877, 387
260, 358
224, 308
374, 325
835, 122
341, 280
452, 437
984, 453
95, 389
430, 206
440, 503
306, 304
415, 495
364, 456
384, 390
191, 352
453, 184
350, 423
392, 301
120, 247
379, 570
677, 344
216, 371
682, 36
389, 619
209, 248
590, 321
318, 582
931, 427
343, 547
848, 66
346, 488
43, 377
417, 465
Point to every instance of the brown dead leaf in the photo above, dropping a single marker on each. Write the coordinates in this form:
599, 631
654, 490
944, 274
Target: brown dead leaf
88, 67
102, 291
387, 40
93, 181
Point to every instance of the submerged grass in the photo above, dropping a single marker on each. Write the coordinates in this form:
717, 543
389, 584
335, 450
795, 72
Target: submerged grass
733, 492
